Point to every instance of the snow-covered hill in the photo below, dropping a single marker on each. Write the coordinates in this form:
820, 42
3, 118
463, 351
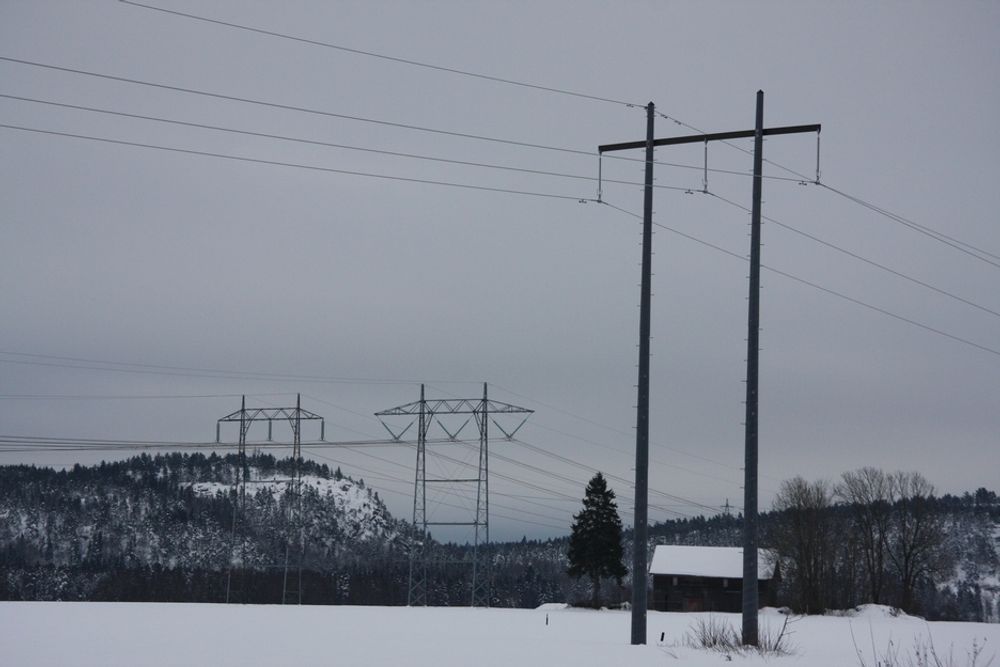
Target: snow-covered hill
176, 511
362, 515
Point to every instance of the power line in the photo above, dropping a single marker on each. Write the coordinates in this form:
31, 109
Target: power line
444, 491
312, 142
961, 246
361, 119
564, 459
612, 429
799, 175
126, 397
655, 461
860, 258
190, 371
687, 501
576, 482
382, 56
453, 506
827, 290
226, 156
185, 371
298, 109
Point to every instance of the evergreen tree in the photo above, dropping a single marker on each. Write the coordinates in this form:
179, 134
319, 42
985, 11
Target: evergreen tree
595, 545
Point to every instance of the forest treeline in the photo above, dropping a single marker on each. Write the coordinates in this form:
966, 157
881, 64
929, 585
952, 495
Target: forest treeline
885, 538
139, 530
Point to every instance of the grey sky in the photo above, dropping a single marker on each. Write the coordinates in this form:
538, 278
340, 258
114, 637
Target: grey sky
135, 255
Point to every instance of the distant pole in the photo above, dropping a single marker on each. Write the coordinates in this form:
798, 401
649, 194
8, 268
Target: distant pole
417, 587
641, 526
750, 602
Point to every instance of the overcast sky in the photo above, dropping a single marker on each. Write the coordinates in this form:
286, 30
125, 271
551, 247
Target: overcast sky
141, 256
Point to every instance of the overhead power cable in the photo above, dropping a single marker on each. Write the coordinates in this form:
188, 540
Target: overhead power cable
687, 501
451, 505
569, 461
193, 371
652, 460
799, 176
327, 144
127, 397
575, 482
443, 491
362, 119
961, 246
382, 56
299, 109
967, 248
278, 163
613, 429
870, 262
826, 290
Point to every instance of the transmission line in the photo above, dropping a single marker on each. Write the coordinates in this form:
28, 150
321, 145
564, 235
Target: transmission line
361, 119
569, 461
575, 482
327, 144
961, 246
858, 257
816, 286
127, 397
298, 109
453, 506
613, 430
625, 451
278, 163
382, 56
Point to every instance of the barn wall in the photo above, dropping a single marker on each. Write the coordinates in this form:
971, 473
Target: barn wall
690, 594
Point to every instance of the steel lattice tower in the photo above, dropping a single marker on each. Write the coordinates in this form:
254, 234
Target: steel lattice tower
295, 543
483, 411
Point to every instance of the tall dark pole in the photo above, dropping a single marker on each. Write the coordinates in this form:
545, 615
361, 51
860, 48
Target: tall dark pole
639, 575
750, 602
641, 530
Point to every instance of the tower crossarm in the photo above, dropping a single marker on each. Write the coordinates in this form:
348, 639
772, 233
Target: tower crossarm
454, 406
270, 414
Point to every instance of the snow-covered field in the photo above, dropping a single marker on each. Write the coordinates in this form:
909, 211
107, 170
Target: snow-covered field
141, 634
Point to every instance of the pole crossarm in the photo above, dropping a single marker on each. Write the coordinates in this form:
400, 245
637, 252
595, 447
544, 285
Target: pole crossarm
269, 414
717, 136
455, 406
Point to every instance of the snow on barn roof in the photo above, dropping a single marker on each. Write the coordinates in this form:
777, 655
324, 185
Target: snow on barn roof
725, 562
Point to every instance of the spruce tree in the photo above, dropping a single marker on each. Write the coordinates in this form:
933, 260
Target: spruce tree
595, 545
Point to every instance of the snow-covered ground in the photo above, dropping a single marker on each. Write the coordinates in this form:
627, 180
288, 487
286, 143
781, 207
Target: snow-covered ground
154, 635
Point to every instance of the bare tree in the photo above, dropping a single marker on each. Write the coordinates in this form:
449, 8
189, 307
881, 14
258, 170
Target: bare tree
804, 539
870, 495
915, 549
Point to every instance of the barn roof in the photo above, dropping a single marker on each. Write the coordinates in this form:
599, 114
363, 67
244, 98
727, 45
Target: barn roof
723, 562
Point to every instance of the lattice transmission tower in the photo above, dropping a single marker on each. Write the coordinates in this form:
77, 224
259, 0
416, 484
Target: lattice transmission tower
426, 412
295, 542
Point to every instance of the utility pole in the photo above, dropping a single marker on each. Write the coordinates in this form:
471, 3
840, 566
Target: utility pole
750, 601
639, 574
640, 531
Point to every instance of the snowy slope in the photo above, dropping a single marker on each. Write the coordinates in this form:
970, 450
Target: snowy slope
360, 513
